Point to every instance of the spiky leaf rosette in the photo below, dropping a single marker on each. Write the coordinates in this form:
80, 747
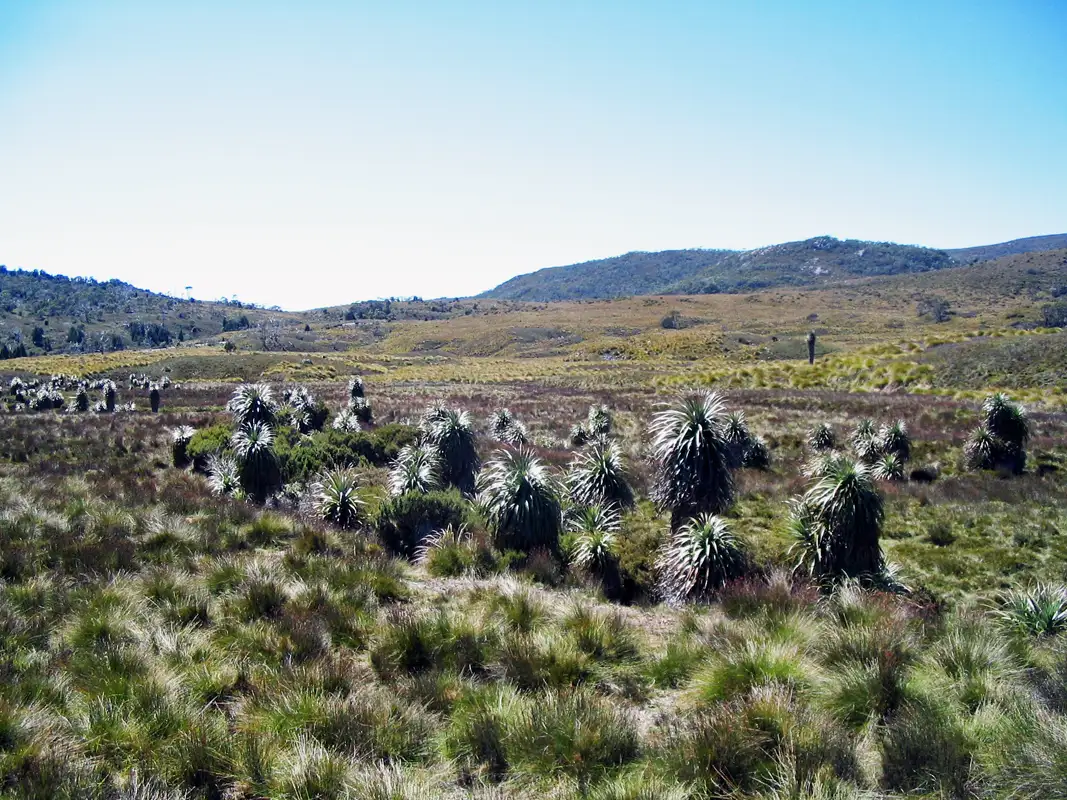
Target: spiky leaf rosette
757, 455
253, 446
180, 438
224, 477
504, 427
520, 501
346, 421
499, 422
868, 449
81, 400
356, 387
850, 510
431, 416
822, 437
865, 429
888, 467
338, 500
594, 528
691, 457
417, 469
895, 439
700, 557
579, 435
295, 417
598, 421
360, 408
252, 403
451, 435
182, 434
808, 538
109, 389
738, 436
1006, 419
983, 450
1040, 610
822, 464
298, 396
435, 540
597, 476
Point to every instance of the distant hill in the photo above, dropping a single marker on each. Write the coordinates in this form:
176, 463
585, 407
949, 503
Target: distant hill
1031, 244
43, 313
821, 261
621, 276
810, 262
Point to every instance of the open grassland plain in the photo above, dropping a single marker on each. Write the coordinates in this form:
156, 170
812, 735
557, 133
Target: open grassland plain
525, 554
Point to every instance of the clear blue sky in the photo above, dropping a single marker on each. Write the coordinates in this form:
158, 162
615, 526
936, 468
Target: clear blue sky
315, 153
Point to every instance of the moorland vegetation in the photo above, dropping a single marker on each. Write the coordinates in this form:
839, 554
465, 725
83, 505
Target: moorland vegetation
491, 549
363, 589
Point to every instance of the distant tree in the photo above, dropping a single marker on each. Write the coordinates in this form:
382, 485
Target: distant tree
935, 308
75, 335
1054, 315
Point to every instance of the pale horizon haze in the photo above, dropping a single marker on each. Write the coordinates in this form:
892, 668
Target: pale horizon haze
311, 154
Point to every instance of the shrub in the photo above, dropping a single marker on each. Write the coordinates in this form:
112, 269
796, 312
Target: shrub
640, 540
306, 457
404, 522
207, 442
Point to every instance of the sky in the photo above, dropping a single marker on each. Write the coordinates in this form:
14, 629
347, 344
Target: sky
315, 153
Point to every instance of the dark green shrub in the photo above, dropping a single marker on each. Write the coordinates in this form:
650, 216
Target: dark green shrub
207, 442
636, 548
403, 522
303, 458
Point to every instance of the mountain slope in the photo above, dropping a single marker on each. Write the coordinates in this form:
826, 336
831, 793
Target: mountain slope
1031, 244
633, 273
40, 313
823, 260
820, 261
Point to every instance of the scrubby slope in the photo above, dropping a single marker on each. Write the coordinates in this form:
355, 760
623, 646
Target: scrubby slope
633, 273
1031, 244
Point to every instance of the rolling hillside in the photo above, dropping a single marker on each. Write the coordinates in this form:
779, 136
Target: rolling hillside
1031, 244
44, 313
821, 261
633, 273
